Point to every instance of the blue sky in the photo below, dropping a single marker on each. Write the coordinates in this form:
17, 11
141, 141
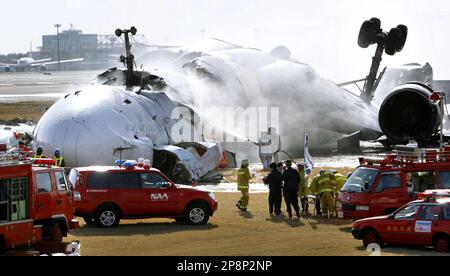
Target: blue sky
322, 33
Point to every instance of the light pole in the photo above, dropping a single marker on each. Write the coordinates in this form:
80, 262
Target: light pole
57, 26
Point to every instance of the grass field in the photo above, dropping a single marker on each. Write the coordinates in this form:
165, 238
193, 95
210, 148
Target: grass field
30, 111
230, 233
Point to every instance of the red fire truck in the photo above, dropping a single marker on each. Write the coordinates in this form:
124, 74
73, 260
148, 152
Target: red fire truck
382, 185
36, 202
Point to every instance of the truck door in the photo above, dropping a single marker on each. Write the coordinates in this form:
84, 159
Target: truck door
160, 195
64, 198
125, 189
44, 203
389, 194
428, 223
400, 228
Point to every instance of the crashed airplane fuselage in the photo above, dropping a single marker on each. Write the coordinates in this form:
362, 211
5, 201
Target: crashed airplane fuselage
110, 121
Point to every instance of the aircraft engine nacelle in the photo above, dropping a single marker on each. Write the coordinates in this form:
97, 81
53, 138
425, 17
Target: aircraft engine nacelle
408, 114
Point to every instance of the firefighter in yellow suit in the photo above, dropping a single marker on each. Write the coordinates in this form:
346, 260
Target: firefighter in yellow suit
303, 190
340, 181
244, 186
314, 189
326, 183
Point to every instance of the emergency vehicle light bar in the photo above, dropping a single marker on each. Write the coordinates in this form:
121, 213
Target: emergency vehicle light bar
434, 195
131, 164
44, 161
8, 159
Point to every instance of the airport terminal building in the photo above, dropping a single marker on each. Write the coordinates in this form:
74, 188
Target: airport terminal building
98, 51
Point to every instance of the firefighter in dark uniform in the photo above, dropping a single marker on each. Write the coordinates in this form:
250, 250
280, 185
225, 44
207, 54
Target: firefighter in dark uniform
291, 178
59, 160
39, 153
275, 182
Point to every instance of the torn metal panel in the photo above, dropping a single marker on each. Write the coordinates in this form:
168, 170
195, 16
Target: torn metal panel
187, 162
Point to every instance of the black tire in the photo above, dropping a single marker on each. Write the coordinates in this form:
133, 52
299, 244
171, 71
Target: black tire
197, 214
367, 34
369, 237
107, 216
403, 36
179, 220
393, 41
57, 232
89, 220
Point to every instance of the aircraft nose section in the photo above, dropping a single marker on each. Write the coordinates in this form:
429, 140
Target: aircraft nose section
94, 127
87, 143
70, 137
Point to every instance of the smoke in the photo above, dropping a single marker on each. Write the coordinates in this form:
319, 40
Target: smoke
219, 77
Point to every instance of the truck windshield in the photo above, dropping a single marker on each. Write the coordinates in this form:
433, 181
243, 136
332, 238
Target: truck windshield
361, 181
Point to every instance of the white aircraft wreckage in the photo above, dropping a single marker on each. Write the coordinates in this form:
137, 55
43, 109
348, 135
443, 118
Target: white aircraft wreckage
130, 114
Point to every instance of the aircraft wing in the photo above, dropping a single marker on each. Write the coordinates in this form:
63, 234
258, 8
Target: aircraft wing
41, 60
8, 64
56, 62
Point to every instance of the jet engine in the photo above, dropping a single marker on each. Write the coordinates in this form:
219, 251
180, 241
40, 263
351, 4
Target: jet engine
407, 113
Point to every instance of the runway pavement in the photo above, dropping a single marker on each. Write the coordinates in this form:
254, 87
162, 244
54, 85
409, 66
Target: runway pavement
38, 86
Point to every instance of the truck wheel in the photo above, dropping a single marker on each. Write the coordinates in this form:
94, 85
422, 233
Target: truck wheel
89, 220
107, 217
196, 214
370, 237
441, 243
57, 232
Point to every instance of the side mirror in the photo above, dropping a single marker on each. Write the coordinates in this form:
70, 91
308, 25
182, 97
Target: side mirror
166, 185
366, 186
